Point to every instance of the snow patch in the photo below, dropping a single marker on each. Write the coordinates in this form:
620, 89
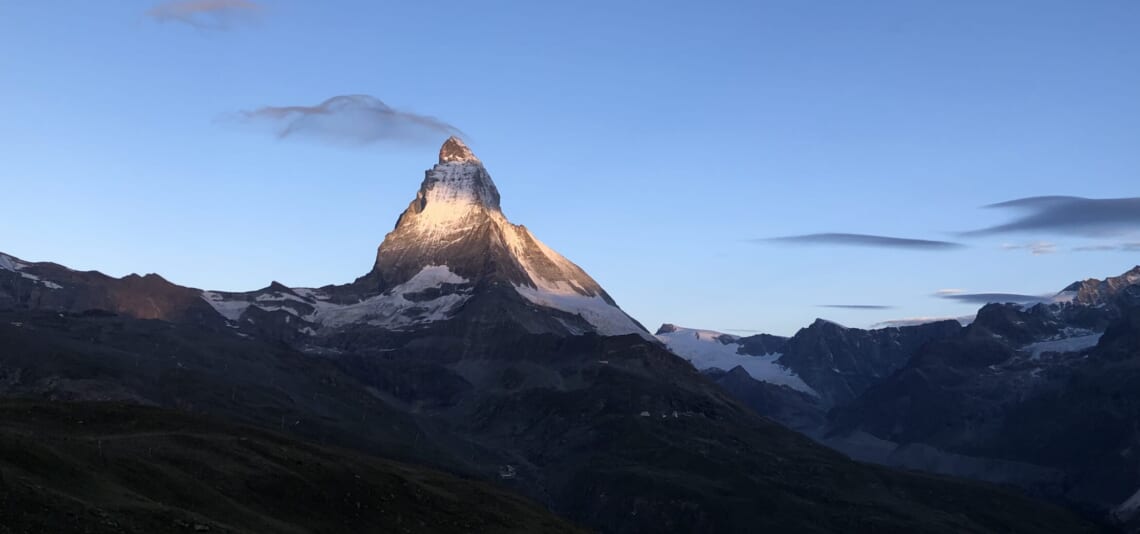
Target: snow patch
429, 277
230, 309
706, 350
8, 263
277, 296
607, 319
1069, 344
567, 288
392, 309
309, 293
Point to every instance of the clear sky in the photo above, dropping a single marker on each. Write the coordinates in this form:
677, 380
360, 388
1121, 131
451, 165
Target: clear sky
651, 142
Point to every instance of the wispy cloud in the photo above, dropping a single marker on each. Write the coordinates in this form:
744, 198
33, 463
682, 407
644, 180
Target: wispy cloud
864, 240
1121, 247
915, 321
206, 14
350, 119
944, 292
1036, 248
986, 298
1069, 215
857, 306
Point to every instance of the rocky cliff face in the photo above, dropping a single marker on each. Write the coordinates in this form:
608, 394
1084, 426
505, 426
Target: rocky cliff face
840, 363
1093, 292
797, 380
1038, 396
48, 286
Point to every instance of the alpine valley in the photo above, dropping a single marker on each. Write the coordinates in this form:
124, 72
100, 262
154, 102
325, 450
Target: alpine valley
475, 380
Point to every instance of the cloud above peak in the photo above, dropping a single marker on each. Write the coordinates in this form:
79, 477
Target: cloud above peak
1088, 217
945, 292
206, 14
857, 306
915, 321
987, 298
1115, 247
350, 119
1036, 248
865, 240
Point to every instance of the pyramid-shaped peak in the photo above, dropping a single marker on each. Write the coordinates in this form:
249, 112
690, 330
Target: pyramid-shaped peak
454, 150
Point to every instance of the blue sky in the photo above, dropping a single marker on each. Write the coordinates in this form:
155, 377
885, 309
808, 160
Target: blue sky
651, 142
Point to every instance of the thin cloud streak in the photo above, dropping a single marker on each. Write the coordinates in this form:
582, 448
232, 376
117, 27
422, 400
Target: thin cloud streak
1037, 248
206, 14
857, 306
987, 298
1119, 247
915, 321
1069, 215
944, 292
865, 240
350, 119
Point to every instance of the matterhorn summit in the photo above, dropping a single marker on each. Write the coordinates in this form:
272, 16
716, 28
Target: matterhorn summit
455, 151
456, 221
453, 258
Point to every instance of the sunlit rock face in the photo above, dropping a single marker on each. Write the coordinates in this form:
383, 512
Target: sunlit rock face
452, 253
455, 151
456, 220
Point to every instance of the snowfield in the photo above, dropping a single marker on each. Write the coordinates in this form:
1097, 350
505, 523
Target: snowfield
390, 309
8, 263
607, 319
1069, 344
705, 350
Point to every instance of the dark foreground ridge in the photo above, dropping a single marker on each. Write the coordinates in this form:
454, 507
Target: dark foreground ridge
584, 452
110, 468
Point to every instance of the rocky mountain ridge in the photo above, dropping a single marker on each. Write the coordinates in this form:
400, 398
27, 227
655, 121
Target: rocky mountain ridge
473, 348
979, 400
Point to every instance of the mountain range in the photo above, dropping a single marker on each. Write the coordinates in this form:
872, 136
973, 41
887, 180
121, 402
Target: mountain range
1040, 396
470, 351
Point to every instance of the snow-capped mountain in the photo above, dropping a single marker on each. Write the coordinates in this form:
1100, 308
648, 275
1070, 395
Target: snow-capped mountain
451, 245
469, 346
452, 252
828, 361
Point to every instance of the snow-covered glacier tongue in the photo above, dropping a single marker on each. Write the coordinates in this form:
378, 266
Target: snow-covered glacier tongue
707, 349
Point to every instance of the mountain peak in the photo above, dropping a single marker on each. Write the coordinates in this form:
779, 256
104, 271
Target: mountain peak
454, 150
455, 222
